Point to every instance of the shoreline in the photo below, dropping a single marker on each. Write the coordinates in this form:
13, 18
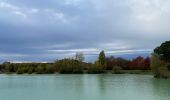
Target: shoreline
144, 72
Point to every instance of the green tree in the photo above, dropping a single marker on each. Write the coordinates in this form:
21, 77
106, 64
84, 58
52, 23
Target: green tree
102, 59
20, 70
163, 51
30, 70
95, 68
69, 66
50, 69
40, 70
158, 67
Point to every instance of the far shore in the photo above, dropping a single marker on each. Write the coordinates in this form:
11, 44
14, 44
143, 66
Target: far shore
147, 72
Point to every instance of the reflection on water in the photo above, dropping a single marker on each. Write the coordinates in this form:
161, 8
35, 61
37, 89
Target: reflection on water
83, 87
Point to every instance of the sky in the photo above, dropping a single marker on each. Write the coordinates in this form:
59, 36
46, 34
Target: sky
45, 30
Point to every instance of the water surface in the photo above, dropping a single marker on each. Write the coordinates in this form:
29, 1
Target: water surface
83, 87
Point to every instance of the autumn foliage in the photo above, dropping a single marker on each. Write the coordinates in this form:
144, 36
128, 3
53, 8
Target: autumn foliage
139, 63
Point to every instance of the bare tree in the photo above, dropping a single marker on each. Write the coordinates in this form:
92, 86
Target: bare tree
79, 56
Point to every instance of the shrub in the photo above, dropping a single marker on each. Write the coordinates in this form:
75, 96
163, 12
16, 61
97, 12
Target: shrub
117, 70
95, 69
50, 69
20, 70
158, 66
30, 70
168, 66
69, 66
39, 70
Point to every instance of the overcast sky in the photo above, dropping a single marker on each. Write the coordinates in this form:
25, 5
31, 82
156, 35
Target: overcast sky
44, 30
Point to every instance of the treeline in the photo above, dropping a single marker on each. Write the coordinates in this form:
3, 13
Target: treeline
21, 68
77, 65
160, 64
139, 63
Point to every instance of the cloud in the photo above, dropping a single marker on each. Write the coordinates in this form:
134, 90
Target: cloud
20, 14
47, 30
94, 51
72, 2
150, 14
5, 5
34, 10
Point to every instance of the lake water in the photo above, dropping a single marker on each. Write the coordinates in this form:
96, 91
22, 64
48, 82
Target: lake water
83, 87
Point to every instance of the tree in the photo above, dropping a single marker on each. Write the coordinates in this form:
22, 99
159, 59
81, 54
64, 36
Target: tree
69, 66
137, 63
95, 68
50, 69
160, 60
20, 70
39, 70
158, 66
79, 56
121, 62
30, 70
102, 58
147, 62
112, 62
163, 51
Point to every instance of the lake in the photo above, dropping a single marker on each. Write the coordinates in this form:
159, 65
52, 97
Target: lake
83, 87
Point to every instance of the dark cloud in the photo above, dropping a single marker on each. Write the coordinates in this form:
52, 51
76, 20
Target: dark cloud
52, 29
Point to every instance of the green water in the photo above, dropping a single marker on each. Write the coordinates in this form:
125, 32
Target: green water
83, 87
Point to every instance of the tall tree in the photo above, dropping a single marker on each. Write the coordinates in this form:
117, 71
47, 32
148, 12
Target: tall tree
163, 51
102, 58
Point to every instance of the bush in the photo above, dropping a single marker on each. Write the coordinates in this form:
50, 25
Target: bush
50, 69
95, 69
117, 70
158, 67
69, 66
30, 70
168, 66
39, 70
20, 71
